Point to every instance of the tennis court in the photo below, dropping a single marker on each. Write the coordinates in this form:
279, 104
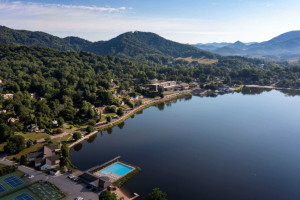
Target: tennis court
13, 181
2, 188
24, 196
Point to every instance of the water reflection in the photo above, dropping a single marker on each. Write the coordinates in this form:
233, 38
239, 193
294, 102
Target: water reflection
254, 90
160, 106
139, 112
92, 138
132, 116
109, 130
78, 147
121, 125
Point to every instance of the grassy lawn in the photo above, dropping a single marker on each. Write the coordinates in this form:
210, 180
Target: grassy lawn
34, 136
65, 138
103, 116
26, 151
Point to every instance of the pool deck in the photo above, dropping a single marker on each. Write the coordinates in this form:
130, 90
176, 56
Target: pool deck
112, 176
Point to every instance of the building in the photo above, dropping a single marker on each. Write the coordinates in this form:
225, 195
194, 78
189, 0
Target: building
2, 111
167, 86
55, 123
94, 181
13, 120
45, 157
100, 110
8, 96
32, 128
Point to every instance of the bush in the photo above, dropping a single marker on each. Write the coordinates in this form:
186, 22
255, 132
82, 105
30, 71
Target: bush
120, 112
90, 129
92, 122
108, 119
76, 136
111, 109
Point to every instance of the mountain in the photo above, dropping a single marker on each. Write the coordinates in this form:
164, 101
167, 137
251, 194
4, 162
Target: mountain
283, 47
129, 44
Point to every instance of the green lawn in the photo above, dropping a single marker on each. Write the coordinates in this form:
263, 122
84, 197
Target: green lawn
34, 136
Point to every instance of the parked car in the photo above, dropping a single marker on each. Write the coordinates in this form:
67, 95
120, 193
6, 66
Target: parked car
76, 179
78, 198
31, 176
26, 175
71, 176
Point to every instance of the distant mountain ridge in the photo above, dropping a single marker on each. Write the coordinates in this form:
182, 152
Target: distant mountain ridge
129, 44
284, 46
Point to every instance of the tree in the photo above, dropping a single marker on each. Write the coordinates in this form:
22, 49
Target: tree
106, 195
5, 132
90, 129
108, 118
92, 122
65, 151
22, 160
15, 144
63, 162
60, 121
29, 143
76, 136
157, 194
120, 112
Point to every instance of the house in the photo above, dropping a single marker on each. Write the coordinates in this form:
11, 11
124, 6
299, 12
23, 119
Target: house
8, 96
2, 111
33, 95
184, 86
45, 157
100, 110
101, 183
32, 128
54, 123
13, 120
1, 82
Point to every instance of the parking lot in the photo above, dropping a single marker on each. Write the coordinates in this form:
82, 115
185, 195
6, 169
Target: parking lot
70, 188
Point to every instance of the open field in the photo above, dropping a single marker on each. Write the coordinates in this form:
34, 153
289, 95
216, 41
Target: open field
34, 136
199, 60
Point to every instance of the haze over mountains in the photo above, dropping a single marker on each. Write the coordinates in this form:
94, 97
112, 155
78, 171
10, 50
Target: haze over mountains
129, 44
284, 47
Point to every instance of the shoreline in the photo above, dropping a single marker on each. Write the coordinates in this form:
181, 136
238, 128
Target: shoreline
270, 87
145, 105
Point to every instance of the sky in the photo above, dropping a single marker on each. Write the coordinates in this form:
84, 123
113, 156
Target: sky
185, 21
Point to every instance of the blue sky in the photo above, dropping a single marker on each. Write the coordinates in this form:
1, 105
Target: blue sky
186, 21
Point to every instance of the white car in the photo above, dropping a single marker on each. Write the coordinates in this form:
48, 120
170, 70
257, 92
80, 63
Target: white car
71, 176
78, 198
31, 176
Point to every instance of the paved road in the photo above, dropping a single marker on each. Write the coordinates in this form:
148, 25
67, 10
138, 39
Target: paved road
70, 188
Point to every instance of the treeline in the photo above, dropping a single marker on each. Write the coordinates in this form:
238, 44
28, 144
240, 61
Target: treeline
7, 170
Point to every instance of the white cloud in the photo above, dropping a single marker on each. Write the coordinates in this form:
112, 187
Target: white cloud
102, 23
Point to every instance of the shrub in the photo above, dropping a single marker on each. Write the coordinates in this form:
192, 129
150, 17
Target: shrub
90, 129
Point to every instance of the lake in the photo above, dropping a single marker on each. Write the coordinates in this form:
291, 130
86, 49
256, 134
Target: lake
235, 146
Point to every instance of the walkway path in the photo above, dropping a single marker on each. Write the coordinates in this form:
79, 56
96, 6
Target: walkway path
124, 117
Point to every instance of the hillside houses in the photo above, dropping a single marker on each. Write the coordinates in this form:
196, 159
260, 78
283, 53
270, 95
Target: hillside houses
46, 157
7, 96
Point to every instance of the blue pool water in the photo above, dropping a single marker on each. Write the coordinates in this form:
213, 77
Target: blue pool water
118, 169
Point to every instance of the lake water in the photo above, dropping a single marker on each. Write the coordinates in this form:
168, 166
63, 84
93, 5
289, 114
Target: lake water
234, 146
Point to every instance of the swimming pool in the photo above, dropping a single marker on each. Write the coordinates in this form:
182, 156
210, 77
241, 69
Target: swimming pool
117, 168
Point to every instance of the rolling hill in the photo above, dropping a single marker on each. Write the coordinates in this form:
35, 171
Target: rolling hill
129, 44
